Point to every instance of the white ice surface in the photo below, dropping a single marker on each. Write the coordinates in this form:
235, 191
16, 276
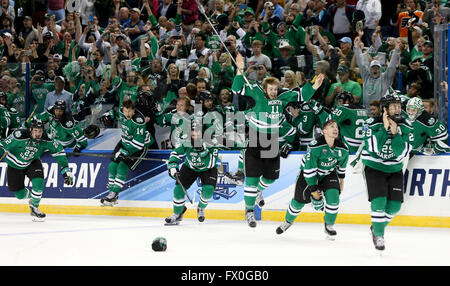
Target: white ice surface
69, 240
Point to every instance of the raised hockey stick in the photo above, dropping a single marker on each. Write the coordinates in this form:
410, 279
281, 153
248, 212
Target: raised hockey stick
31, 114
202, 10
182, 187
112, 155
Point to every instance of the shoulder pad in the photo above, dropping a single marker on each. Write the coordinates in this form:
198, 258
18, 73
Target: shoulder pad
374, 120
21, 134
69, 124
318, 142
426, 119
340, 144
139, 118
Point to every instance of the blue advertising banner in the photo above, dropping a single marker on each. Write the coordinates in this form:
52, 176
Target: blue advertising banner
90, 175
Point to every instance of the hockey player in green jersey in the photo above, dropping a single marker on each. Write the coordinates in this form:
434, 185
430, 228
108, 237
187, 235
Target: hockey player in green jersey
351, 119
430, 134
305, 117
386, 143
24, 148
128, 152
265, 118
176, 119
322, 173
9, 117
63, 127
200, 162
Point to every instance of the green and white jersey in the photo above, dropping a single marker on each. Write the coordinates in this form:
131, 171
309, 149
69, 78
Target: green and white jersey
124, 91
213, 42
287, 134
22, 150
427, 128
382, 153
180, 124
351, 120
199, 160
305, 122
67, 130
266, 115
17, 101
321, 160
5, 121
15, 119
135, 136
39, 92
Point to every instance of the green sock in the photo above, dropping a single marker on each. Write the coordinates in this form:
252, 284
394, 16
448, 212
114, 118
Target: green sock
378, 215
112, 171
207, 192
178, 199
36, 191
121, 176
293, 210
250, 192
332, 205
241, 161
392, 208
264, 183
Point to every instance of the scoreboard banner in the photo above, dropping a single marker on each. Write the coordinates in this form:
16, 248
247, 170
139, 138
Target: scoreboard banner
425, 190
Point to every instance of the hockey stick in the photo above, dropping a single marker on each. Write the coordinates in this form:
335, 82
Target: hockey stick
182, 187
111, 156
31, 114
202, 10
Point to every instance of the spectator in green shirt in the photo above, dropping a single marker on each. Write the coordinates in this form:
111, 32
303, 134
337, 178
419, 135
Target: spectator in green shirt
344, 84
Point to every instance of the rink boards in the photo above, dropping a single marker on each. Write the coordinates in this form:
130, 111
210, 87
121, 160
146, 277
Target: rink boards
149, 190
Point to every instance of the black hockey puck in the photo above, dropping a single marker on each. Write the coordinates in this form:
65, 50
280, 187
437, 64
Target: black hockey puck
159, 244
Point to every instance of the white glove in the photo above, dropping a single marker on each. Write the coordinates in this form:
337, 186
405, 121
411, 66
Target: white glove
173, 172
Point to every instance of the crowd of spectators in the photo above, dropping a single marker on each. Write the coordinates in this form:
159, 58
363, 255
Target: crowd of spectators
98, 52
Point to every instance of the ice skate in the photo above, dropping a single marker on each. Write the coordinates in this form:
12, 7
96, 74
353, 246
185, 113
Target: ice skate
283, 227
174, 219
260, 200
378, 241
200, 214
250, 217
110, 200
36, 214
330, 232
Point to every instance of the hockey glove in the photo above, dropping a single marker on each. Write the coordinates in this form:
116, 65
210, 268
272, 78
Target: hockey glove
77, 149
315, 106
68, 177
317, 200
121, 154
173, 172
285, 149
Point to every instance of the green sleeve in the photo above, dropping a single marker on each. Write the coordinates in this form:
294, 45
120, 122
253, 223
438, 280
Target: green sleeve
57, 151
77, 133
153, 20
175, 157
238, 84
307, 91
342, 164
310, 168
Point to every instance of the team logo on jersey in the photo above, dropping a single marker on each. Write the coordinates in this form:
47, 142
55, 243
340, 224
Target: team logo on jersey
431, 121
17, 133
69, 123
